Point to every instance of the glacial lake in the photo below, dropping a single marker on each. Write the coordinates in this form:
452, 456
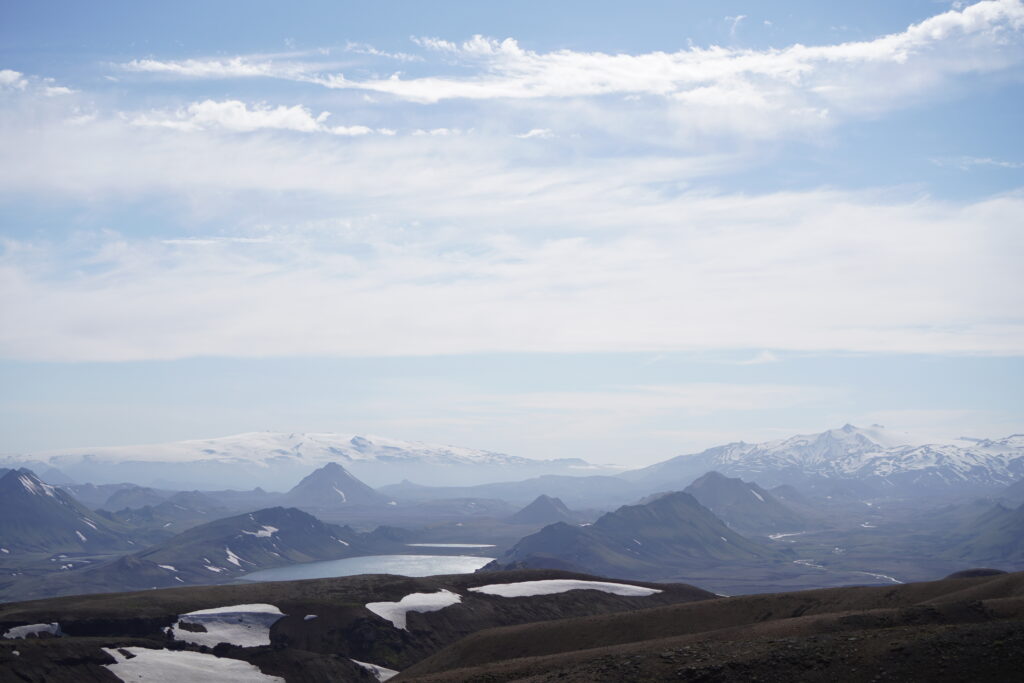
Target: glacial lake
404, 565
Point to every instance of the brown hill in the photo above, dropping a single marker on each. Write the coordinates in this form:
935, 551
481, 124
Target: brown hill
954, 629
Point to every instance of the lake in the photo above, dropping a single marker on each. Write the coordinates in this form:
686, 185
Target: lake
404, 565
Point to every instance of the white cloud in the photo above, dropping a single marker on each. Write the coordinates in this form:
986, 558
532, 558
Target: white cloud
237, 116
982, 37
232, 67
969, 163
536, 133
752, 93
366, 49
12, 79
483, 273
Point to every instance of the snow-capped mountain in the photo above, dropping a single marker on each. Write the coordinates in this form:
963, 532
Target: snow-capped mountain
277, 461
876, 456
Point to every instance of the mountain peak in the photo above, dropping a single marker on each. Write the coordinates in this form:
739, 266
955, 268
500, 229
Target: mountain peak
25, 481
332, 486
543, 510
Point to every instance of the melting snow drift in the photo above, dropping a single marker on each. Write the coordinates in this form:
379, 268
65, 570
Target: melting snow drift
380, 672
524, 589
140, 664
395, 612
242, 625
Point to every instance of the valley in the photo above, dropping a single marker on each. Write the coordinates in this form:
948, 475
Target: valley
714, 537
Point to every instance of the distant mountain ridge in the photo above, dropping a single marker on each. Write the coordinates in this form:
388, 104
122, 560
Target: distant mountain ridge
543, 510
38, 517
875, 456
745, 506
276, 461
672, 533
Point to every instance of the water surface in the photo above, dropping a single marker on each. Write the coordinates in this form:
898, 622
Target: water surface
404, 565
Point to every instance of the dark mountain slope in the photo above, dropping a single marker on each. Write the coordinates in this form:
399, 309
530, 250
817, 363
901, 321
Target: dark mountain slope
1014, 493
997, 537
332, 486
745, 506
38, 517
134, 497
216, 552
543, 510
668, 535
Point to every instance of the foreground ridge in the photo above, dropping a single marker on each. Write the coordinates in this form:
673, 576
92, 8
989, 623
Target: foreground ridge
543, 625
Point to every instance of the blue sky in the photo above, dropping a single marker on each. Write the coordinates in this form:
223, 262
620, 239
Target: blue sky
550, 229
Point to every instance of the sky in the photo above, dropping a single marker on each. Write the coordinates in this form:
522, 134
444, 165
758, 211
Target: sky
573, 229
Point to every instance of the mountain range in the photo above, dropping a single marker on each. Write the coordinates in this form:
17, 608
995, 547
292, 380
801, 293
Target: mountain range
863, 461
211, 553
878, 460
275, 460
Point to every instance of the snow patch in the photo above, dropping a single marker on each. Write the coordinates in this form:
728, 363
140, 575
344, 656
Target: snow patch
757, 495
242, 625
140, 664
266, 531
81, 536
168, 567
340, 493
395, 612
32, 630
524, 589
234, 559
380, 672
36, 488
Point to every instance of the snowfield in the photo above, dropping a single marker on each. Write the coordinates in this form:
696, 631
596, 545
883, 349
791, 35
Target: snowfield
142, 665
395, 612
277, 461
242, 625
255, 446
525, 589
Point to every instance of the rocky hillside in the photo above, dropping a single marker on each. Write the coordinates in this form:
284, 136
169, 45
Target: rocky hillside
316, 627
38, 517
216, 552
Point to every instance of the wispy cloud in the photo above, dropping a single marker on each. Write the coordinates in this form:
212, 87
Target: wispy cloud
237, 116
749, 92
536, 133
734, 23
366, 49
969, 163
733, 274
